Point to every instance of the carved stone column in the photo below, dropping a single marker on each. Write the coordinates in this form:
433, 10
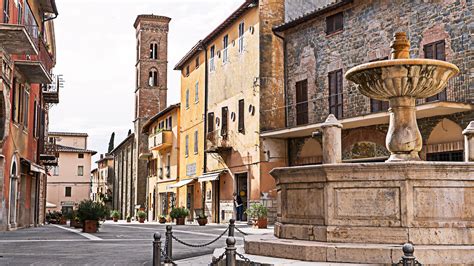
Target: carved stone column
469, 142
332, 146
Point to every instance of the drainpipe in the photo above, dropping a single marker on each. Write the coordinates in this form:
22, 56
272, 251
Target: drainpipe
203, 186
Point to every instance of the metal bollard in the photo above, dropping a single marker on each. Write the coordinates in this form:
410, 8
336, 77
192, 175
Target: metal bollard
157, 249
230, 251
169, 247
232, 227
408, 258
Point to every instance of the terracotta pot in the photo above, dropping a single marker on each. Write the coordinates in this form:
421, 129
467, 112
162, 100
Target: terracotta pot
141, 220
180, 221
262, 223
129, 220
72, 223
202, 221
63, 220
115, 219
162, 220
90, 226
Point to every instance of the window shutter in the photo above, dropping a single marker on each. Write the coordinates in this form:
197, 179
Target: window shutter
440, 52
429, 51
241, 116
210, 122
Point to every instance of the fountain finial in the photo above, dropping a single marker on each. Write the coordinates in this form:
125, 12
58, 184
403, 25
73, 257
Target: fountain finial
400, 46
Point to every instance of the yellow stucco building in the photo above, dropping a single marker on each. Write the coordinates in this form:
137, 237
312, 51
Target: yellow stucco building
163, 161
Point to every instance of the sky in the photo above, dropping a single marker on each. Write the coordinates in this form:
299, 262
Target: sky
95, 53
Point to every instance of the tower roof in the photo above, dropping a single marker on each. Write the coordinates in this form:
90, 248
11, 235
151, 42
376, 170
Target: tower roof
151, 17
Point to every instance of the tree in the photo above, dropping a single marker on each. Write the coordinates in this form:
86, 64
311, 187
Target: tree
111, 142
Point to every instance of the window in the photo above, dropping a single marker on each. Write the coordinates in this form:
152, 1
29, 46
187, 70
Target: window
168, 165
196, 141
241, 116
436, 50
14, 104
80, 155
196, 92
26, 106
225, 115
451, 156
335, 93
35, 119
152, 167
56, 170
334, 23
210, 122
170, 123
153, 51
20, 14
187, 98
197, 62
302, 102
138, 51
225, 57
80, 170
241, 37
186, 147
153, 78
212, 66
68, 192
378, 106
6, 11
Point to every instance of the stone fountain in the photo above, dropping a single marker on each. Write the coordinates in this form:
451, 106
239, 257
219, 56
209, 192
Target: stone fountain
364, 212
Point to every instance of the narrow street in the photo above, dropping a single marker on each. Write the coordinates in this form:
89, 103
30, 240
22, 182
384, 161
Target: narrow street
115, 244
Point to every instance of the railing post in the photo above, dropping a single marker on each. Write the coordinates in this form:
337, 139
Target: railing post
408, 258
231, 227
157, 249
230, 251
169, 247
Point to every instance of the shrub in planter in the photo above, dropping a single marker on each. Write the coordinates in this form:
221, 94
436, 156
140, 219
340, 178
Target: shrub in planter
89, 213
129, 219
179, 214
141, 216
162, 219
259, 214
115, 215
202, 219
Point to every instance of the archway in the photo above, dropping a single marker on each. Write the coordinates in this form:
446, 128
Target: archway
310, 153
445, 142
12, 215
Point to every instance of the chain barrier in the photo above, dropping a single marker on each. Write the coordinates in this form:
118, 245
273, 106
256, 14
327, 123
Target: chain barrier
215, 261
240, 231
200, 245
245, 259
168, 259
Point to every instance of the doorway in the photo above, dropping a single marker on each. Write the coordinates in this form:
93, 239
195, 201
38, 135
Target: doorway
190, 201
242, 191
215, 201
13, 194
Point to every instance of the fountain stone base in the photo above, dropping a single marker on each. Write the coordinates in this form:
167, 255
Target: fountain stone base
374, 207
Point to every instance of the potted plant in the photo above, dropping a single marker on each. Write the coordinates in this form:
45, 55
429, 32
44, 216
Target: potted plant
259, 214
89, 213
202, 219
141, 216
179, 214
115, 215
77, 222
162, 219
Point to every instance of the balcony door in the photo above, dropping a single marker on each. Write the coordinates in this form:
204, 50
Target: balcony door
302, 102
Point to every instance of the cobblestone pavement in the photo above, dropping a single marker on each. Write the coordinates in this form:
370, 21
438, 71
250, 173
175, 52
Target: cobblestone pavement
115, 244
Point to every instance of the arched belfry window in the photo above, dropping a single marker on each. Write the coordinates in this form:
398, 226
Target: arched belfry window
153, 78
153, 50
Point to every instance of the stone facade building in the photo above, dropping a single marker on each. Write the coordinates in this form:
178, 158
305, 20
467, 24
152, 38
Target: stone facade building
70, 182
150, 98
105, 179
27, 91
323, 44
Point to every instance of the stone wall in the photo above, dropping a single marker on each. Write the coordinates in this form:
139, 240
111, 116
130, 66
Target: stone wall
368, 29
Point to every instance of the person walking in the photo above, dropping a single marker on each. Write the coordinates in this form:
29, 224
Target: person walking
238, 206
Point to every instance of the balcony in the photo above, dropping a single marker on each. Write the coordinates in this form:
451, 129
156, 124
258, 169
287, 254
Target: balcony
36, 68
48, 153
161, 140
51, 91
217, 143
19, 39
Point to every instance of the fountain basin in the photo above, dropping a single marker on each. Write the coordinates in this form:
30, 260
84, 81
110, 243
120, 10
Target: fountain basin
376, 204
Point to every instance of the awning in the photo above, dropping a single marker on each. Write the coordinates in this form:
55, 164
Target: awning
37, 168
50, 205
210, 176
182, 183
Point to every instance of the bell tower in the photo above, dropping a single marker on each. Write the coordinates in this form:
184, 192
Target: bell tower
150, 88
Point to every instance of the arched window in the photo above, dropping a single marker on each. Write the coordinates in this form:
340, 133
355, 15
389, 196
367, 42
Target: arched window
153, 50
153, 78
